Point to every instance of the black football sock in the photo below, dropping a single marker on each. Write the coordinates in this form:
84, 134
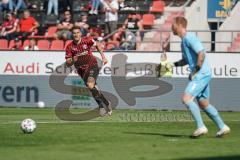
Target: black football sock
98, 96
105, 101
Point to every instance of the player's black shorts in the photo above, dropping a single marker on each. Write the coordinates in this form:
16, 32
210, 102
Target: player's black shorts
90, 71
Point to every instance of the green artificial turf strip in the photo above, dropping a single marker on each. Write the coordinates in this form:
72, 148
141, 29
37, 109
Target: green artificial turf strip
127, 134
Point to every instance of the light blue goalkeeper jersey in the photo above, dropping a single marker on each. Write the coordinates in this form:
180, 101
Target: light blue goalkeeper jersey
191, 46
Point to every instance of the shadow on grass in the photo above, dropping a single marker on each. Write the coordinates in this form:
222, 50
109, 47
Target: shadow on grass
160, 134
235, 157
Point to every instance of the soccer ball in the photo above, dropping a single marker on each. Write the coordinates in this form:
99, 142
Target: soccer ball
41, 104
28, 125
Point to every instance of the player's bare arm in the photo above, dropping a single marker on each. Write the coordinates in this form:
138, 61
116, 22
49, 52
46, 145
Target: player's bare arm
99, 49
36, 25
71, 61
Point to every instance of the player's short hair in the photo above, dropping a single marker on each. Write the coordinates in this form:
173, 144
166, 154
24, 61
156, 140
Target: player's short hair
26, 11
181, 21
75, 27
68, 11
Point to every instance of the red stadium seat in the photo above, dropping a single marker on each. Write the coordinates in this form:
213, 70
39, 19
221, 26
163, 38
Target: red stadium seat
158, 7
148, 19
57, 45
66, 43
112, 44
26, 42
11, 44
237, 39
51, 31
43, 45
3, 44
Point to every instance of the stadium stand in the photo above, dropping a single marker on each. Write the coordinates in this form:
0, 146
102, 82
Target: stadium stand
26, 42
148, 20
156, 17
3, 44
51, 31
43, 44
57, 45
38, 11
158, 6
228, 32
235, 46
66, 43
12, 43
143, 7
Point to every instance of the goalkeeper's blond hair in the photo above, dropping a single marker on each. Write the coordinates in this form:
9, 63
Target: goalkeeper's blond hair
181, 21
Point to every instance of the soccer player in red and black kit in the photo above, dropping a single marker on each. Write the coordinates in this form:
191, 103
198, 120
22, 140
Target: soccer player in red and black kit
79, 54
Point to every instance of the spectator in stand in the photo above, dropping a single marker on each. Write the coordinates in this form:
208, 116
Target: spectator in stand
97, 31
67, 5
114, 42
129, 41
83, 27
27, 25
32, 46
9, 27
52, 4
19, 5
17, 45
32, 6
125, 7
82, 24
86, 7
134, 23
64, 27
95, 6
111, 15
6, 5
121, 4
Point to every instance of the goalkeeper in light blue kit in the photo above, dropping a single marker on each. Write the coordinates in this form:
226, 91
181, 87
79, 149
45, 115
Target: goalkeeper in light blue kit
194, 55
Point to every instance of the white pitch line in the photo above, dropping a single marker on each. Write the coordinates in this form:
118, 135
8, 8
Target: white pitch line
52, 122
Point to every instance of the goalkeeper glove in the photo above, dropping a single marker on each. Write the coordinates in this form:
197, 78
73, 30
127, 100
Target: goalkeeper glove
193, 74
169, 66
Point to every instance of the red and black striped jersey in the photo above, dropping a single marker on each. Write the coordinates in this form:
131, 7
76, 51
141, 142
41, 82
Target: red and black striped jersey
9, 25
84, 51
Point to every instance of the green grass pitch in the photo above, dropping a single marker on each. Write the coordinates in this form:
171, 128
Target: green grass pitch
126, 135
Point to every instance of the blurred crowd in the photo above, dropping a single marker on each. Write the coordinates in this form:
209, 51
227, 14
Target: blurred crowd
19, 25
